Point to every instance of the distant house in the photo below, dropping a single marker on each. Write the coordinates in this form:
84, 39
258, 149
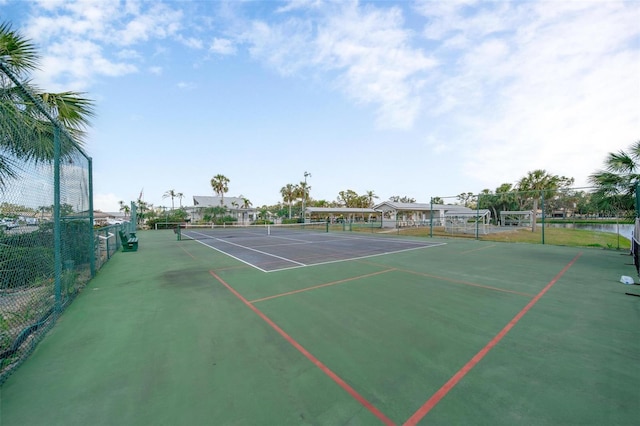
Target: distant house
336, 214
420, 214
234, 207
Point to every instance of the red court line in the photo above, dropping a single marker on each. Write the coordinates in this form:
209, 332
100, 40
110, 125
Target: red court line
322, 285
369, 406
436, 397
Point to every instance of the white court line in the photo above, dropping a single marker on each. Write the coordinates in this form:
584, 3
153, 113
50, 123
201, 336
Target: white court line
337, 238
246, 248
357, 258
342, 237
231, 256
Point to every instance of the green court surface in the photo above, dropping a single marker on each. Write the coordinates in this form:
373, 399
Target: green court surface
464, 333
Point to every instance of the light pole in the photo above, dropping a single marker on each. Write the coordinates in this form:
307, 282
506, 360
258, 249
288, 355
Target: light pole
304, 195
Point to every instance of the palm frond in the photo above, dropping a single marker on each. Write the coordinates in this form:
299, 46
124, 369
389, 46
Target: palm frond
620, 162
16, 51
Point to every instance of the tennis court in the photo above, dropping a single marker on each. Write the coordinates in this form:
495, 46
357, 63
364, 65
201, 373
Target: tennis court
462, 332
270, 248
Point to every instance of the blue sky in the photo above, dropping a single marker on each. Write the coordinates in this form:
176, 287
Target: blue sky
418, 99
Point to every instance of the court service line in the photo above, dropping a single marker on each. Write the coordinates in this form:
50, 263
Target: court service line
453, 381
344, 385
356, 258
221, 268
252, 249
323, 285
231, 256
333, 237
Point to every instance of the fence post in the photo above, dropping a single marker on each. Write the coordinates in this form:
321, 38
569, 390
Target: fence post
478, 217
542, 197
57, 240
133, 217
431, 217
92, 235
638, 200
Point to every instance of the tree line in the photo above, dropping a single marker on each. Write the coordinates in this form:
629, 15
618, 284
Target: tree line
26, 134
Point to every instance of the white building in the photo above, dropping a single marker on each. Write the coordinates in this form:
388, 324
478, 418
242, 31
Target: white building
234, 206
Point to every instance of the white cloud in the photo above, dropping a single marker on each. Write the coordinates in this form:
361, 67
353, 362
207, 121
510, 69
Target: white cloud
293, 5
159, 21
155, 70
222, 46
555, 89
74, 64
79, 39
191, 42
129, 54
366, 48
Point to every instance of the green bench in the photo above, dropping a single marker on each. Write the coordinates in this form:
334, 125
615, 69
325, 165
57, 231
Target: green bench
129, 242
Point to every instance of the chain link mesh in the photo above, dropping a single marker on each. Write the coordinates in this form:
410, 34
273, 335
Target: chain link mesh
568, 216
48, 248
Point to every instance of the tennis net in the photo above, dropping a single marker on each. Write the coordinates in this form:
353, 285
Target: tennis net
199, 232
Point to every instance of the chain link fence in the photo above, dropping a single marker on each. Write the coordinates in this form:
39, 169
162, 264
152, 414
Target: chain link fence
570, 216
48, 247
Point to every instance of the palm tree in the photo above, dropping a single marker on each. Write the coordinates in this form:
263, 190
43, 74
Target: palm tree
289, 194
180, 196
302, 191
616, 184
467, 199
370, 196
25, 130
124, 208
348, 198
502, 200
143, 207
540, 182
170, 194
246, 203
220, 185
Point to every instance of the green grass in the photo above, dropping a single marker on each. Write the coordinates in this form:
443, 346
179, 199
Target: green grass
554, 236
592, 221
